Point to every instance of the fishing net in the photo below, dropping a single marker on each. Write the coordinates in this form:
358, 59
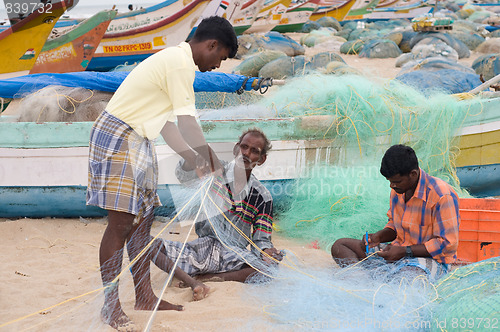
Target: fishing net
469, 298
352, 47
340, 68
422, 51
253, 63
273, 40
429, 38
489, 46
317, 36
472, 40
487, 65
405, 44
380, 48
284, 67
329, 22
310, 26
446, 80
345, 195
320, 60
62, 104
360, 299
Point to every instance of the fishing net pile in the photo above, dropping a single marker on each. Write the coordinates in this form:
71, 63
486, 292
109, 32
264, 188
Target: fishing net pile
308, 297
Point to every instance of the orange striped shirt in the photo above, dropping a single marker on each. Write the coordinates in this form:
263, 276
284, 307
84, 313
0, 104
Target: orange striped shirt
430, 217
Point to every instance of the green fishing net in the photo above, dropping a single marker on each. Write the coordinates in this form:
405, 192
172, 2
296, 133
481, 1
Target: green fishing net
347, 196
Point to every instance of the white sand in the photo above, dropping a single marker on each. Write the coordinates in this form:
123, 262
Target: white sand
48, 261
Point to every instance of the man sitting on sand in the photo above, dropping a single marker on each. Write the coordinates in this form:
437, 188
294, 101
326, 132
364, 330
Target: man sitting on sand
423, 220
250, 207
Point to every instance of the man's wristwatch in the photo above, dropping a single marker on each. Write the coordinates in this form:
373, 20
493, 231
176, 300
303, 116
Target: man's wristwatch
409, 252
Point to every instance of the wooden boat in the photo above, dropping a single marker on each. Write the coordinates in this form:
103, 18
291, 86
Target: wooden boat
295, 16
73, 51
242, 14
269, 16
359, 9
21, 44
134, 36
214, 8
337, 9
396, 9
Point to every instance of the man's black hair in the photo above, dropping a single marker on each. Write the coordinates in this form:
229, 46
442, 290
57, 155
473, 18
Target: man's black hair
218, 28
260, 133
398, 159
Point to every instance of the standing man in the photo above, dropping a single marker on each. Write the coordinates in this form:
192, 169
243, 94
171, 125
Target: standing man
123, 169
423, 220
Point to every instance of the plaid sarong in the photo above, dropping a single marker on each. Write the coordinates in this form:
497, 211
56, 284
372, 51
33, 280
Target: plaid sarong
204, 255
123, 169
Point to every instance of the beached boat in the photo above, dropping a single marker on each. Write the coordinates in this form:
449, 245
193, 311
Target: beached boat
359, 9
295, 16
73, 50
269, 16
337, 9
214, 8
242, 14
134, 36
396, 9
21, 44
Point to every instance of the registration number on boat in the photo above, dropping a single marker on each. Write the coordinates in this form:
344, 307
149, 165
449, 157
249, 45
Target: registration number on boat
128, 48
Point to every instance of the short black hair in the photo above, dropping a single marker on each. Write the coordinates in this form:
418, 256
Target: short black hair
398, 159
218, 28
260, 133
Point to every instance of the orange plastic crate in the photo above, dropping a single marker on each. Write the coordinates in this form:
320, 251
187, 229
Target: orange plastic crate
479, 233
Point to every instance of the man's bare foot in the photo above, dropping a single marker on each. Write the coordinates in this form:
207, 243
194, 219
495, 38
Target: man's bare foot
200, 291
210, 278
150, 305
118, 320
202, 277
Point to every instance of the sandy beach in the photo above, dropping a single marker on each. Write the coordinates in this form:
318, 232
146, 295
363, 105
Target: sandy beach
48, 261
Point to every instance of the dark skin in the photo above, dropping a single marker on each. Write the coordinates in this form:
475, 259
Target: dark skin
349, 251
187, 140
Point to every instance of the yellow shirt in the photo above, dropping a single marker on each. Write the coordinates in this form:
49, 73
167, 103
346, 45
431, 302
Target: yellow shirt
158, 90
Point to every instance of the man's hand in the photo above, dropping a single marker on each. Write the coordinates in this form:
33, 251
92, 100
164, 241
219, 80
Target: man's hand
202, 168
392, 253
274, 253
372, 241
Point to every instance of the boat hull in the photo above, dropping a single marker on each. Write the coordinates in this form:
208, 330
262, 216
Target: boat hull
21, 44
73, 51
135, 43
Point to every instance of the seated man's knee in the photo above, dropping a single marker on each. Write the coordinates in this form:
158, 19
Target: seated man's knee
335, 250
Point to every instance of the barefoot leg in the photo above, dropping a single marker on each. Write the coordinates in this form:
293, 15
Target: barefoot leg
110, 258
145, 299
159, 257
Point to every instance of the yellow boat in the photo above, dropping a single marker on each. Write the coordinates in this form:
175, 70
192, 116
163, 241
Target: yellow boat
21, 44
337, 9
269, 16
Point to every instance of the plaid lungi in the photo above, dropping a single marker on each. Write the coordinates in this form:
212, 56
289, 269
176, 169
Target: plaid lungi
123, 169
204, 255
